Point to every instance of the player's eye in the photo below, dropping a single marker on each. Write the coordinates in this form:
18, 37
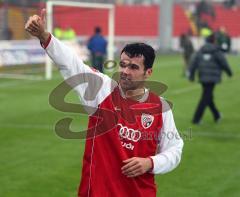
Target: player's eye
130, 66
134, 66
122, 65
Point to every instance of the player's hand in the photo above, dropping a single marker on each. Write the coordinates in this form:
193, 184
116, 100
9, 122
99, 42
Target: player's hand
136, 166
36, 25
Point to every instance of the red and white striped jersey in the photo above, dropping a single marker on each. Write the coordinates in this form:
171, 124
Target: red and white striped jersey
119, 128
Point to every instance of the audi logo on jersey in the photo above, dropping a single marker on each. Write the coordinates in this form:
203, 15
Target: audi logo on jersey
128, 133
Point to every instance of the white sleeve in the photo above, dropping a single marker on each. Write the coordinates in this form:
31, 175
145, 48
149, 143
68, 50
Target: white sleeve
170, 145
70, 64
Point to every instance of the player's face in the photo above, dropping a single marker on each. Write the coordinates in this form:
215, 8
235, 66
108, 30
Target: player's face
132, 72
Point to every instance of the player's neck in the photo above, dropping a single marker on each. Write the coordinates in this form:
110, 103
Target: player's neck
135, 94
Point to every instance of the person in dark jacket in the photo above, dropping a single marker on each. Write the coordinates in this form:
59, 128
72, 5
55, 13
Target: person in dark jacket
210, 62
223, 40
188, 50
97, 46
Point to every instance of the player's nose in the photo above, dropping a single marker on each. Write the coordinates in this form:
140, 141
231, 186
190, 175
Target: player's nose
126, 70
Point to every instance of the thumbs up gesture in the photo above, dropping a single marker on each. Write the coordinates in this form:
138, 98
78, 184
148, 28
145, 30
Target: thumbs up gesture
35, 25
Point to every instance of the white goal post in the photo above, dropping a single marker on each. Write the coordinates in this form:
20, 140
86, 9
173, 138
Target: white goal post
111, 15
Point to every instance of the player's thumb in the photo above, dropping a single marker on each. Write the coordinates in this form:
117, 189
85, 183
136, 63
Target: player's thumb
43, 15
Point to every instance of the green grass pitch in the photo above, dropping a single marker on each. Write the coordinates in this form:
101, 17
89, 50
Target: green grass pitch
34, 161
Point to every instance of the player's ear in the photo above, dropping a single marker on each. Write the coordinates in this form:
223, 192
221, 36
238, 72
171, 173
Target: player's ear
148, 72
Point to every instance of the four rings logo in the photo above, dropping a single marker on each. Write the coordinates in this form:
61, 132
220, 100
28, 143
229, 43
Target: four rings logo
129, 134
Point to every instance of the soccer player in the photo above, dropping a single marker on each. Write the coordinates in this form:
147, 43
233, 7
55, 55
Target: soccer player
143, 140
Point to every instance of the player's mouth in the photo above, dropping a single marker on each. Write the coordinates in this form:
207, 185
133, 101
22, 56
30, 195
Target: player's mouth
124, 78
125, 82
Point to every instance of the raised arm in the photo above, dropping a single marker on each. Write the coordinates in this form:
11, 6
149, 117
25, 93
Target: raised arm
35, 26
70, 64
65, 58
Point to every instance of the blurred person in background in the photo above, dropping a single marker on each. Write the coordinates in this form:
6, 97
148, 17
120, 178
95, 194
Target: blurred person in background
205, 7
64, 34
6, 34
188, 50
205, 30
229, 3
97, 45
58, 32
223, 40
209, 61
69, 34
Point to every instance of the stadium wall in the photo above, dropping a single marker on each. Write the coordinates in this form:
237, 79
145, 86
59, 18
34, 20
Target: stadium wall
132, 23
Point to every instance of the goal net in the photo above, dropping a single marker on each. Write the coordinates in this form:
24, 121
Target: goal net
82, 19
25, 59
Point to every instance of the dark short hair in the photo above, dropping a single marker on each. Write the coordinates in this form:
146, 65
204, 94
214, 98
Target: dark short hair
141, 49
211, 39
98, 30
